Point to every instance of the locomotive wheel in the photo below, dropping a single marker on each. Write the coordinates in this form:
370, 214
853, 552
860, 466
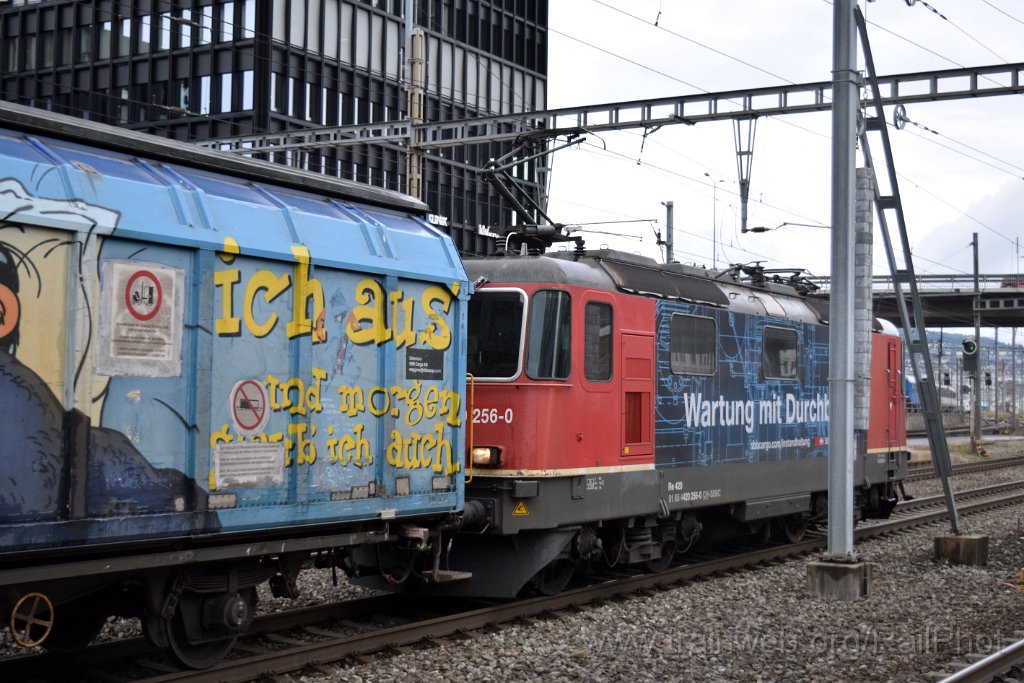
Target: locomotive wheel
31, 620
791, 528
553, 578
668, 553
75, 625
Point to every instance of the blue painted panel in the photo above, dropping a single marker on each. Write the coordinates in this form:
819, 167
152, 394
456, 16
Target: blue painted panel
320, 372
736, 415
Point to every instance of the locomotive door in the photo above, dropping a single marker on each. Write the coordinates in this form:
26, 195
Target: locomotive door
897, 407
637, 395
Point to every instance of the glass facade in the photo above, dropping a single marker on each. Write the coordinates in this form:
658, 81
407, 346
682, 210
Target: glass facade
207, 69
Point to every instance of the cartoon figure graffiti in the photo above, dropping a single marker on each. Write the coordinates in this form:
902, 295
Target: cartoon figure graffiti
56, 462
10, 309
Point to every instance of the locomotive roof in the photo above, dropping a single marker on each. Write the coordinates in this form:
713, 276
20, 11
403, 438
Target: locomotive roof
37, 122
618, 271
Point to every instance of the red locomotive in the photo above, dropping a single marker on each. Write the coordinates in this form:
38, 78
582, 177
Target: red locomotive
622, 410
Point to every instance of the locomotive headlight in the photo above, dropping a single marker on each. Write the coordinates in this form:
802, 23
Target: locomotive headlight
485, 456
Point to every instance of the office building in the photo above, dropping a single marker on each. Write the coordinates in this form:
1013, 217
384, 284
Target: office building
213, 69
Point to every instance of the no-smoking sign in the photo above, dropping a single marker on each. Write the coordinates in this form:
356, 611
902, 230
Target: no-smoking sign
249, 410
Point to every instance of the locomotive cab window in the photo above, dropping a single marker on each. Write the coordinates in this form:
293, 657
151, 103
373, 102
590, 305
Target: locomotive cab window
778, 353
597, 342
549, 338
693, 341
495, 333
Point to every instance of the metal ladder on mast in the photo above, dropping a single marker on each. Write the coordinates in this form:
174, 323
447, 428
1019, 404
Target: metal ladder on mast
914, 333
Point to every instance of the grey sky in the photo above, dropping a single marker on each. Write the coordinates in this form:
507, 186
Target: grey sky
964, 177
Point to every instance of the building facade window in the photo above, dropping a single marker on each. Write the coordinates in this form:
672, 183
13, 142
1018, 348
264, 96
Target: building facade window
185, 23
145, 34
227, 22
328, 62
103, 40
124, 38
163, 39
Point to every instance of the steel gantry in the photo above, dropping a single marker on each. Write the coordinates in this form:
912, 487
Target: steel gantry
742, 107
534, 130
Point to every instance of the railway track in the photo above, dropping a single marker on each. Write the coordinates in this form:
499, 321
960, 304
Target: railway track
1006, 664
293, 640
922, 471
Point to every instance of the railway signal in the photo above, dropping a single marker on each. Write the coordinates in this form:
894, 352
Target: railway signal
970, 355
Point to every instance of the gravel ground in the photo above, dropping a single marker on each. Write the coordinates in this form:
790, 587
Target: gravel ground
761, 625
752, 626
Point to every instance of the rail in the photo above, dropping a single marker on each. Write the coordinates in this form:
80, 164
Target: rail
332, 646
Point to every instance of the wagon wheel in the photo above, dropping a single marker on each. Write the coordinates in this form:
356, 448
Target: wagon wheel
554, 577
189, 643
190, 655
668, 553
75, 625
790, 528
31, 619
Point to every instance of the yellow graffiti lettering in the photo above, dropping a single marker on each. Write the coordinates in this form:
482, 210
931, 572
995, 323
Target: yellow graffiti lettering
451, 406
307, 314
437, 335
361, 457
228, 325
417, 401
348, 447
430, 399
367, 324
313, 392
305, 450
411, 454
352, 400
444, 451
427, 443
411, 398
273, 386
377, 409
272, 286
351, 448
297, 385
406, 336
296, 396
307, 289
220, 436
422, 451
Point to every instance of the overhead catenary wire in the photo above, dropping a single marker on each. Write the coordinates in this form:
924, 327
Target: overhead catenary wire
661, 27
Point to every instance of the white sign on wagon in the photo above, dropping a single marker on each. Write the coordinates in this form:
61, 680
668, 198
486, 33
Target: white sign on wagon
141, 319
248, 463
250, 407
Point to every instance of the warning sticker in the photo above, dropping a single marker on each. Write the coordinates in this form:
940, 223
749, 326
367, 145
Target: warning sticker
249, 407
246, 463
141, 307
520, 509
143, 295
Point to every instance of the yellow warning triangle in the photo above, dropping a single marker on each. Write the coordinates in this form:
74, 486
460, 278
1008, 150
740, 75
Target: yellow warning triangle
520, 509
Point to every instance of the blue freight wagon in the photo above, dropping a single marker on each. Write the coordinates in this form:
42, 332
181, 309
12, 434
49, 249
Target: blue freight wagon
211, 370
